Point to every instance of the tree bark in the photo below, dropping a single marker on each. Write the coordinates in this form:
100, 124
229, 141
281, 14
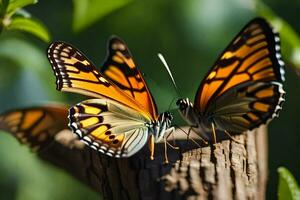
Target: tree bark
230, 169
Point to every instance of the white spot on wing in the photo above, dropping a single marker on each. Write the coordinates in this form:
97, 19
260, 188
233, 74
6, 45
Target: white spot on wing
103, 147
96, 144
87, 139
278, 55
79, 133
101, 150
109, 154
281, 62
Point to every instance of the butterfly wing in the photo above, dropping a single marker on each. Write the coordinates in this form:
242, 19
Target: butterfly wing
248, 106
35, 126
120, 68
252, 60
75, 73
109, 127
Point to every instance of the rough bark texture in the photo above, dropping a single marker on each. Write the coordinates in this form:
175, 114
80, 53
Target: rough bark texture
227, 170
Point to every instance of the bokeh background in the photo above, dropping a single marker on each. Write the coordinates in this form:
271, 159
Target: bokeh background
190, 34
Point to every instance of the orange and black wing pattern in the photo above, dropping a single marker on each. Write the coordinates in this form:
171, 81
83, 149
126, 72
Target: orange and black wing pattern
248, 106
35, 126
120, 68
75, 73
251, 61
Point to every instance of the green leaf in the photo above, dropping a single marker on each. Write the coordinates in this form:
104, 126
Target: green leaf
89, 11
30, 25
22, 13
288, 188
3, 7
290, 40
14, 5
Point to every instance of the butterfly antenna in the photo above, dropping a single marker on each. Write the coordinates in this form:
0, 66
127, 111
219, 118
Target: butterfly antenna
171, 103
161, 57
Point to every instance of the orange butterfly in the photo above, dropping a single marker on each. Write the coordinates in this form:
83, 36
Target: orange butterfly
35, 126
243, 89
123, 117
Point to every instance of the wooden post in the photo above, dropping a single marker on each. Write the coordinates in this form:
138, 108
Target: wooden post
228, 170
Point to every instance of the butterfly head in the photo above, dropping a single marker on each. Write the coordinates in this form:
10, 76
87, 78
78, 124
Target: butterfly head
160, 126
166, 118
183, 104
186, 109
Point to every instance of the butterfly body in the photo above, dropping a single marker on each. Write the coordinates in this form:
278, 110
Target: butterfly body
244, 87
161, 126
123, 116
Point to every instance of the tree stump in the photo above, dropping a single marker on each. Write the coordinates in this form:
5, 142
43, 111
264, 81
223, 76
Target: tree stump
227, 170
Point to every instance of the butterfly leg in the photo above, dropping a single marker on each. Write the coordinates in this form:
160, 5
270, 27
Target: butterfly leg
198, 134
214, 132
171, 131
166, 136
230, 136
166, 149
187, 133
151, 147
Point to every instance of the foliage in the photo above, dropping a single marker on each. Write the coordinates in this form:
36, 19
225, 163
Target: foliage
32, 62
14, 17
89, 11
288, 188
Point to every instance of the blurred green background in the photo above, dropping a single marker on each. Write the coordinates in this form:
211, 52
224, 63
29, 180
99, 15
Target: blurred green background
190, 34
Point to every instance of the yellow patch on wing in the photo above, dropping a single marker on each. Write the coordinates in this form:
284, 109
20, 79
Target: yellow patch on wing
91, 110
117, 59
99, 132
73, 60
211, 75
89, 121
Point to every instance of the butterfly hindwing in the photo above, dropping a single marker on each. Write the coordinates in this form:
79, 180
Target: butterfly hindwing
109, 127
120, 68
252, 60
75, 73
35, 126
248, 106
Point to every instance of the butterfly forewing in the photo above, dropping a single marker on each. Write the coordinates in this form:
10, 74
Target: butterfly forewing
75, 73
251, 61
35, 126
120, 68
109, 127
254, 55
